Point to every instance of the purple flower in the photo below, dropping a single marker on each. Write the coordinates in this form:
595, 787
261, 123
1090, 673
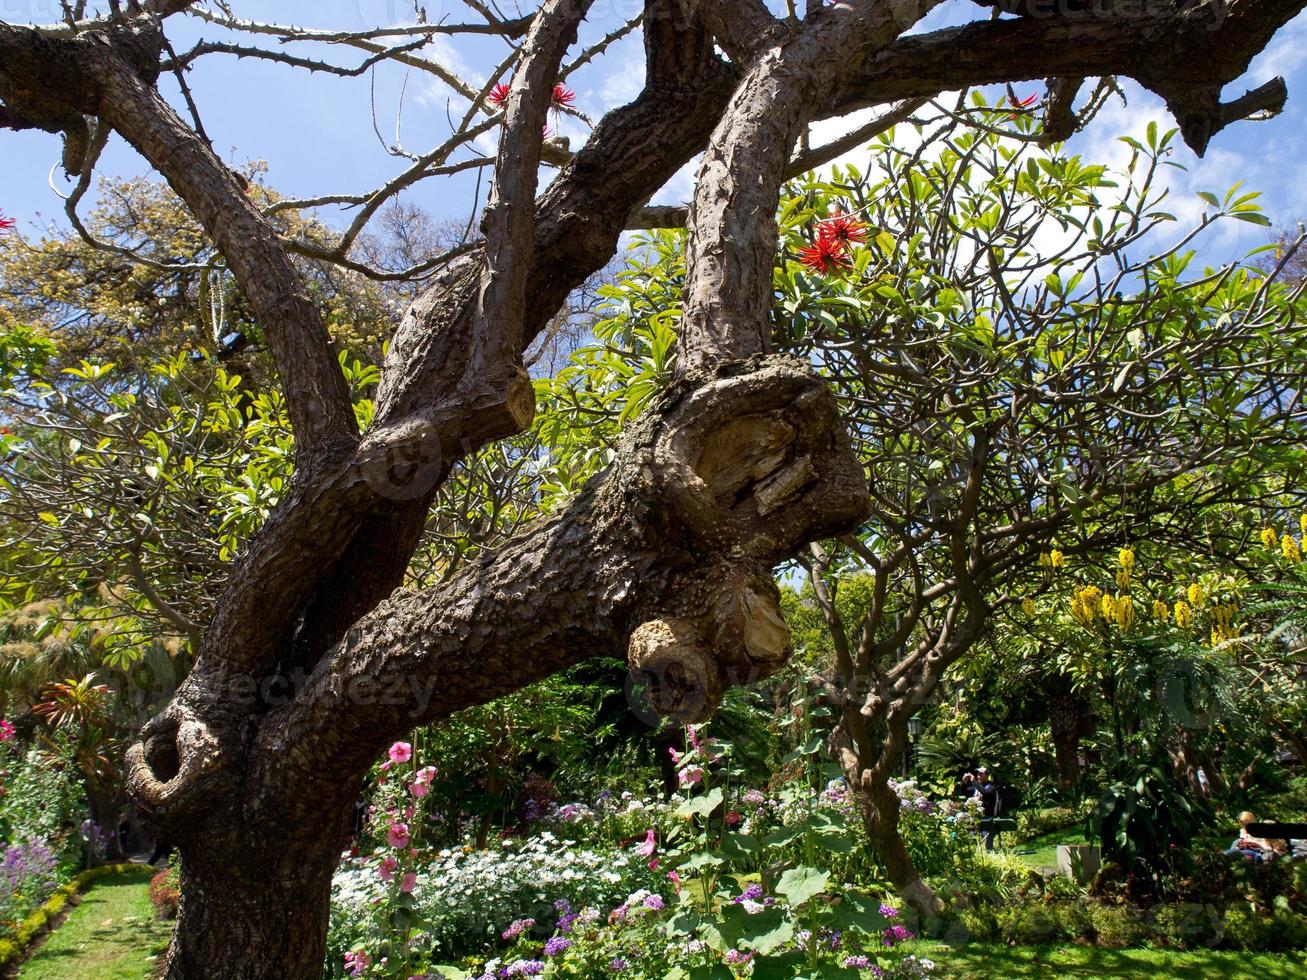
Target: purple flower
737, 957
517, 928
565, 921
895, 934
556, 945
858, 962
654, 902
889, 911
751, 894
618, 965
562, 906
523, 968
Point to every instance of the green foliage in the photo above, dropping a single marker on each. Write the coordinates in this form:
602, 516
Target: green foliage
1147, 822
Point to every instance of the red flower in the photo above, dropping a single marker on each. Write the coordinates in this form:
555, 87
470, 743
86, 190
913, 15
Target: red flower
7, 224
1025, 103
843, 229
498, 95
564, 96
826, 255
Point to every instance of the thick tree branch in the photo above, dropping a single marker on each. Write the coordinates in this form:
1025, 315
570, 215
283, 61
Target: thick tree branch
508, 221
1170, 50
732, 223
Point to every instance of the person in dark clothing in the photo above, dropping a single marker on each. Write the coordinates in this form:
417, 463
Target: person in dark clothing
990, 802
970, 787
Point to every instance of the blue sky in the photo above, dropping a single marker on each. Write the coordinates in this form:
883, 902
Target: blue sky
316, 132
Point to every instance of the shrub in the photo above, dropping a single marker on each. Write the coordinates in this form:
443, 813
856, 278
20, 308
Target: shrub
1036, 923
1114, 926
1188, 926
165, 893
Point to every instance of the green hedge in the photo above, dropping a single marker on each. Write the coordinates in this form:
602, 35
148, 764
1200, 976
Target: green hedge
35, 924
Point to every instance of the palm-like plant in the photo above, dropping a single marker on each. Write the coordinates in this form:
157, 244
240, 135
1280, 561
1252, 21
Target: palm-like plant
74, 703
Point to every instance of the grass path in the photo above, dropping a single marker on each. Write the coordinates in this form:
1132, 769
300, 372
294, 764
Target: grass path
112, 934
988, 961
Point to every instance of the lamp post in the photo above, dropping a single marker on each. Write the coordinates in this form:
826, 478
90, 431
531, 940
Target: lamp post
914, 731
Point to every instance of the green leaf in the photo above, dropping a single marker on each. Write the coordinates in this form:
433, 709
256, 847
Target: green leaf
799, 885
701, 806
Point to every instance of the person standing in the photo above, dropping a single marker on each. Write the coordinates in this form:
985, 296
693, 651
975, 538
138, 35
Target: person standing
991, 803
970, 787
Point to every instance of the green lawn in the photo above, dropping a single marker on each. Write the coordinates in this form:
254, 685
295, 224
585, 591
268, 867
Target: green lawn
1044, 849
112, 934
987, 961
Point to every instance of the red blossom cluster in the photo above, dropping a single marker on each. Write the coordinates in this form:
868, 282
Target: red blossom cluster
6, 224
563, 96
836, 237
1020, 104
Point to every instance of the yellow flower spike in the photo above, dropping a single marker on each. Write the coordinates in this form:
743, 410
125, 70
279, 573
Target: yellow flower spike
1123, 578
1125, 611
1270, 537
1290, 548
1161, 611
1056, 558
1184, 615
1028, 606
1302, 523
1127, 559
1109, 609
1195, 594
1044, 560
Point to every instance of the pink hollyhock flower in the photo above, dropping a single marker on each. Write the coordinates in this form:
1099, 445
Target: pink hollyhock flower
408, 813
410, 880
650, 843
397, 835
387, 868
418, 789
6, 730
675, 879
401, 752
689, 777
653, 865
426, 775
732, 818
357, 962
692, 735
676, 756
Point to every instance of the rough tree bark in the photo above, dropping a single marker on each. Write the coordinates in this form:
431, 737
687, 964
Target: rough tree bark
314, 660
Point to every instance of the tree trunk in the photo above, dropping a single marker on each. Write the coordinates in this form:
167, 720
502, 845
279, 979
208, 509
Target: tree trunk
255, 901
1064, 723
879, 808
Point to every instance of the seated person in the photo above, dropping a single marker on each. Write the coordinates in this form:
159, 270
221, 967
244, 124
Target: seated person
1248, 847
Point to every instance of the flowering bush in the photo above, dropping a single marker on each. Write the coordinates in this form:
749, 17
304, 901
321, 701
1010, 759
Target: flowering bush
462, 898
165, 893
644, 938
42, 802
28, 874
